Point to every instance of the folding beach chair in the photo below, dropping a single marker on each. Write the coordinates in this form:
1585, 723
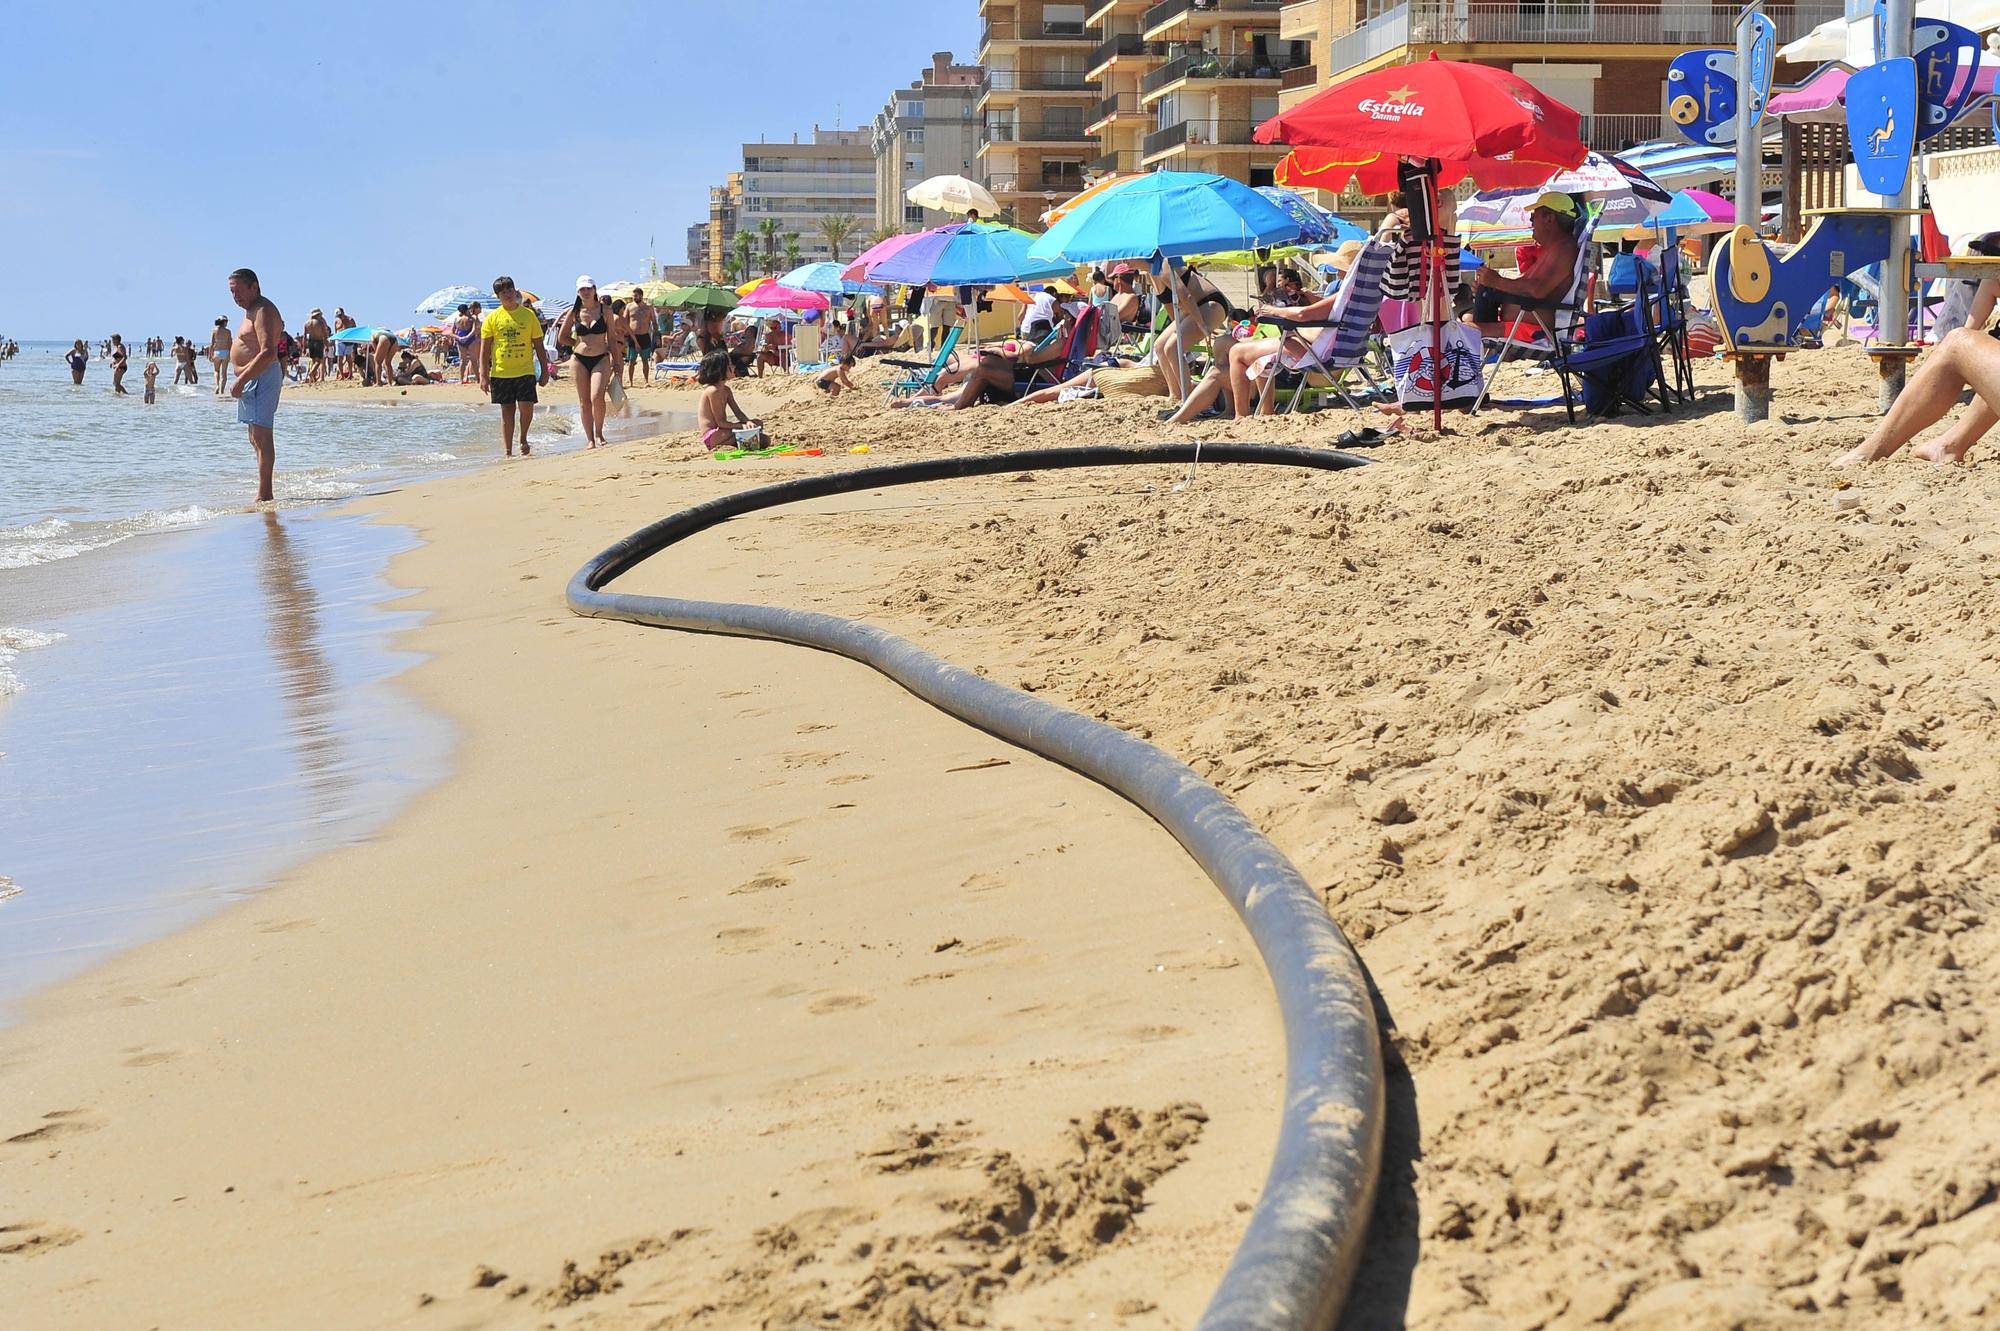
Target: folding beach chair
1082, 343
1544, 332
926, 379
1615, 361
1342, 346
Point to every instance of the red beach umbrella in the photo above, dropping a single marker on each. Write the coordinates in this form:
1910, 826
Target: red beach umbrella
1472, 120
1451, 118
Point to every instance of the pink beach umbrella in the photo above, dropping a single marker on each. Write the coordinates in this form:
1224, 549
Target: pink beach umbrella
880, 250
770, 296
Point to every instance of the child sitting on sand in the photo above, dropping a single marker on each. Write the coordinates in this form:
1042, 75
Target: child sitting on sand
717, 404
840, 359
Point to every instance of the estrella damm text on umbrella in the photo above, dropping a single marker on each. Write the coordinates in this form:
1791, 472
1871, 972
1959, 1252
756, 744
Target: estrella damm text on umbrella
1396, 107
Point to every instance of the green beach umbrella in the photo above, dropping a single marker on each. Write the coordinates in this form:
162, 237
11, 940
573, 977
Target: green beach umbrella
702, 297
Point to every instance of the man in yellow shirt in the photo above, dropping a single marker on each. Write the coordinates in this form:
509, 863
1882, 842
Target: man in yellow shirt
512, 361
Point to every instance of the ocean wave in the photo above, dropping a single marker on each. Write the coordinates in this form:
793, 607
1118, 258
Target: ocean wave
193, 515
14, 641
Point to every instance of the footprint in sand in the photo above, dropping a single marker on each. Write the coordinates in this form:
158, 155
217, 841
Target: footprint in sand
757, 831
838, 1002
794, 761
58, 1123
737, 941
849, 779
286, 926
25, 1238
763, 882
811, 727
142, 1057
983, 882
987, 945
1153, 1034
752, 713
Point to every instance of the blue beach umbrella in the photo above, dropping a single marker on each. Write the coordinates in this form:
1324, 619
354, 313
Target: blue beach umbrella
365, 333
1171, 214
1317, 226
444, 303
825, 278
970, 254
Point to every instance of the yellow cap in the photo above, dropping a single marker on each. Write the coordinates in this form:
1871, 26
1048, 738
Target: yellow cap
1556, 202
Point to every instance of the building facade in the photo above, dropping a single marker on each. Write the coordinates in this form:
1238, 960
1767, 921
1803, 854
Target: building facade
930, 128
725, 201
1215, 75
788, 188
1035, 103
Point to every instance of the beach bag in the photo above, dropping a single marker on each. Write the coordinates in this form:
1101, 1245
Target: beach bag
1703, 335
1462, 376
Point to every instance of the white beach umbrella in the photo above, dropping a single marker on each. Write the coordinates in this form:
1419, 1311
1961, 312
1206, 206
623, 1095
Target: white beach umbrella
1829, 40
952, 194
445, 302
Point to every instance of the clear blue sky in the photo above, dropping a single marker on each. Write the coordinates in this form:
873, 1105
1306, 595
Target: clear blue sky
366, 152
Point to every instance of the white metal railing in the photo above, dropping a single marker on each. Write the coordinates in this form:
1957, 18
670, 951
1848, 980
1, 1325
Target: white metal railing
1443, 22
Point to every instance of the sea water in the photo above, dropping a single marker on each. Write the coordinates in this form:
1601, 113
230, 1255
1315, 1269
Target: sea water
194, 694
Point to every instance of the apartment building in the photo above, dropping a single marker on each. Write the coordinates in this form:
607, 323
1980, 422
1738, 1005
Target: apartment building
1214, 70
725, 201
1035, 102
930, 128
1608, 61
797, 184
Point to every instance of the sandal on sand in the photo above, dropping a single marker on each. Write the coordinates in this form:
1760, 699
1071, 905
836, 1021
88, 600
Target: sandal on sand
1367, 438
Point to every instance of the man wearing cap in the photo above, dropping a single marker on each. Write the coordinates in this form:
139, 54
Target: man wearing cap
1543, 283
512, 361
316, 334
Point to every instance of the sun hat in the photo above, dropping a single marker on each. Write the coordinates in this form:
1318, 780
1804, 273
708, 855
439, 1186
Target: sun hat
1344, 257
586, 281
1556, 202
1124, 270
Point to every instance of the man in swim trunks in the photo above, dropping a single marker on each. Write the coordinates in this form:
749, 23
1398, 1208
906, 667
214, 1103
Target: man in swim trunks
343, 352
260, 374
641, 320
512, 362
317, 334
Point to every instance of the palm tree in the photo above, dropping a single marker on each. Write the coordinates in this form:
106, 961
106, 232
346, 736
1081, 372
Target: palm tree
792, 254
768, 231
882, 233
745, 245
732, 271
834, 229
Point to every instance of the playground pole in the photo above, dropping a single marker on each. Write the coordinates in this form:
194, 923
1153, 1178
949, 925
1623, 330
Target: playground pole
1895, 306
1753, 373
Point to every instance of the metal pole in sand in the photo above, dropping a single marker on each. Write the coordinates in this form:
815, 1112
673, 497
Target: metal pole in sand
1895, 301
1753, 373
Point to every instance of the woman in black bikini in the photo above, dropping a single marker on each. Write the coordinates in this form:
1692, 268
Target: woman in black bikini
591, 330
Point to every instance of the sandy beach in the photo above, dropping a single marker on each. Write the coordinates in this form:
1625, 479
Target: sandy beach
1650, 765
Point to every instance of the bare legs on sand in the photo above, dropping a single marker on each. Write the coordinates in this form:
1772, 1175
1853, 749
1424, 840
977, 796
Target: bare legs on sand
1963, 360
527, 415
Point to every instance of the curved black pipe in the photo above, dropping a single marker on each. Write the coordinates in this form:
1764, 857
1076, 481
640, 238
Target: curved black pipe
1297, 1257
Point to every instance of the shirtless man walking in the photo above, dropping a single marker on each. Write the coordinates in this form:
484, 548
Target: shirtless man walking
260, 374
317, 334
641, 318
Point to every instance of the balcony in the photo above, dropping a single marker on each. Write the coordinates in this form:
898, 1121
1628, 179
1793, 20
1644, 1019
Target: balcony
1034, 131
1007, 30
1125, 46
1203, 134
1124, 104
1213, 65
1162, 15
1062, 182
1299, 76
1035, 80
1610, 134
1427, 23
1122, 164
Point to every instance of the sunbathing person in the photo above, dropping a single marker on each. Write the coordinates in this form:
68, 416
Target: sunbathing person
771, 351
410, 370
1543, 284
1964, 359
718, 404
1243, 357
993, 376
